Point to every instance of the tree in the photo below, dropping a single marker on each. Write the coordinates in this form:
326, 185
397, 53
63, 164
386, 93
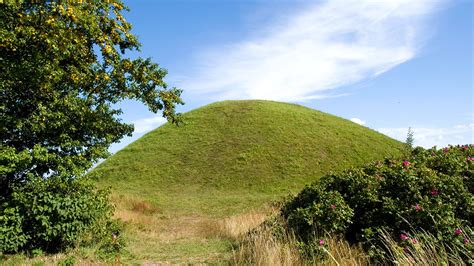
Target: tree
410, 139
62, 67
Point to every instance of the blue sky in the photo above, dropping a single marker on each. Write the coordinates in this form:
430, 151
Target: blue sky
386, 64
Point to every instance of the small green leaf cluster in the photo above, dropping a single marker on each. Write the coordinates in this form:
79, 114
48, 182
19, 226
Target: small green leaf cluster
430, 191
53, 214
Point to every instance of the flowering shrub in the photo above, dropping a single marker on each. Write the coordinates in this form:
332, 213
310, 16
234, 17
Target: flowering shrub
431, 191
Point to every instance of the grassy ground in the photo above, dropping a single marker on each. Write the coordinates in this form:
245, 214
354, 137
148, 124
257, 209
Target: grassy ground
176, 185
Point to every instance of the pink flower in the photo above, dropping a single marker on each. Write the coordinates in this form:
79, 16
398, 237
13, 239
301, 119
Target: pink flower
470, 158
466, 240
458, 231
406, 249
414, 240
404, 237
434, 192
322, 242
446, 150
406, 163
333, 206
465, 147
417, 207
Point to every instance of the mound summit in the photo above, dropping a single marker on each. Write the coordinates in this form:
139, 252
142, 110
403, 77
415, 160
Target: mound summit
237, 154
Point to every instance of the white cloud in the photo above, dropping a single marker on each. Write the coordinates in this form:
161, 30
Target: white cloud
429, 137
358, 121
329, 45
146, 124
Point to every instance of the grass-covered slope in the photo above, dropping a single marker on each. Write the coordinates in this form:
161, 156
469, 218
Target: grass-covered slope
177, 186
236, 154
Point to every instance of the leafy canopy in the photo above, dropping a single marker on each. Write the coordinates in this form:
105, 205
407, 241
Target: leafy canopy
62, 67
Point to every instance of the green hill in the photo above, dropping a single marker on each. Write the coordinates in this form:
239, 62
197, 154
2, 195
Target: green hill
233, 156
242, 149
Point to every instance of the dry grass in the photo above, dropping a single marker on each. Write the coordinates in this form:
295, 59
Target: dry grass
340, 252
143, 207
259, 246
156, 224
235, 227
262, 248
169, 228
134, 204
426, 251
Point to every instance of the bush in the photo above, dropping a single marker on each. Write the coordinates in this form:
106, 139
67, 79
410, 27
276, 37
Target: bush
52, 214
431, 191
12, 236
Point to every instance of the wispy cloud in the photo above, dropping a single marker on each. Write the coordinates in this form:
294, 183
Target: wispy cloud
146, 124
326, 46
429, 137
358, 121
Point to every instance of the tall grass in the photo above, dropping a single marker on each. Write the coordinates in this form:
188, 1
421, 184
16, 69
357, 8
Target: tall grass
259, 245
425, 250
262, 247
237, 226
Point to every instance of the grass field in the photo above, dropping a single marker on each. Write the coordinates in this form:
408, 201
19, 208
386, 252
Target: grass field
176, 186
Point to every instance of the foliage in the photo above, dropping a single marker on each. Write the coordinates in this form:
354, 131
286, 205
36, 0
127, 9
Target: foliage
410, 140
12, 237
430, 191
108, 239
62, 68
52, 214
328, 210
422, 248
68, 261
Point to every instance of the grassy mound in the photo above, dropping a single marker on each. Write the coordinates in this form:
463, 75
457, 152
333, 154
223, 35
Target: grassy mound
231, 157
240, 152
